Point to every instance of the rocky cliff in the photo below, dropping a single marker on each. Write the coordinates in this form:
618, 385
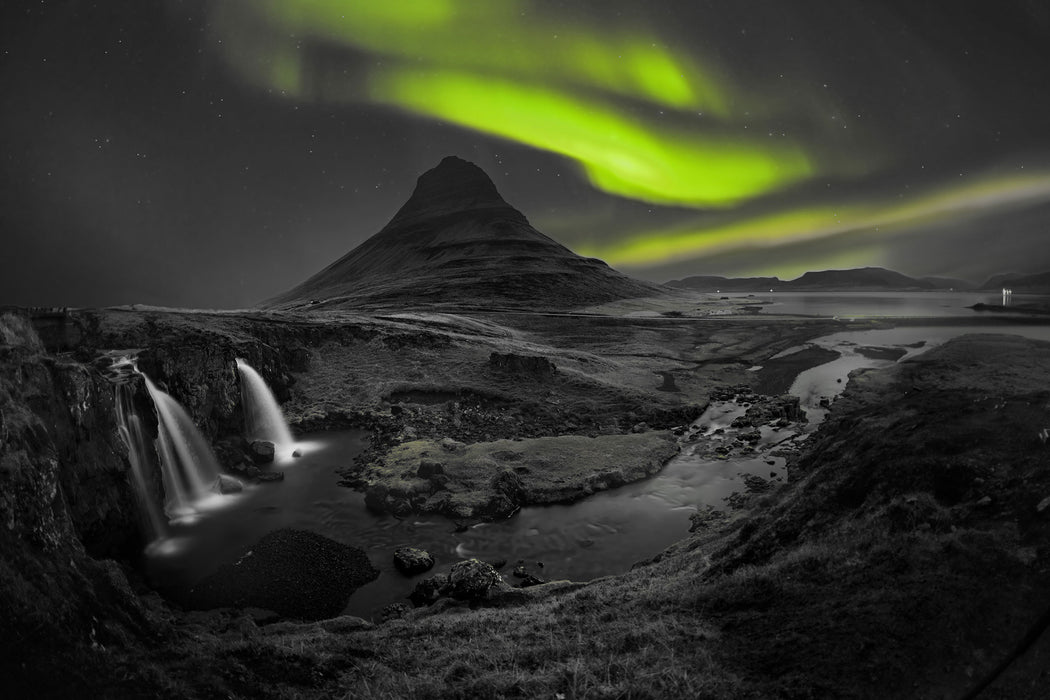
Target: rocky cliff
64, 494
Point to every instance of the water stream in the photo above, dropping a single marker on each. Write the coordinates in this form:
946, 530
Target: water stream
601, 535
263, 419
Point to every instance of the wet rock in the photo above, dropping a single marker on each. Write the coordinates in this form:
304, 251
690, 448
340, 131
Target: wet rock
429, 468
984, 501
525, 577
249, 471
640, 427
429, 590
262, 451
752, 436
270, 476
394, 611
530, 580
756, 484
226, 484
471, 579
411, 561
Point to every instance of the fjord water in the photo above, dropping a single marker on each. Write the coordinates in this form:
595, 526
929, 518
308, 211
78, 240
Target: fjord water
263, 419
877, 304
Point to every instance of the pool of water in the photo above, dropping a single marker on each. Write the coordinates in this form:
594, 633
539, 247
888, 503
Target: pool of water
604, 534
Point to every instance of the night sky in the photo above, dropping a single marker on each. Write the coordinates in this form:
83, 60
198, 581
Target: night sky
214, 154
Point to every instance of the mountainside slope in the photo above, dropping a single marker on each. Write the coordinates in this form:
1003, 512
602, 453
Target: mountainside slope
1037, 283
457, 242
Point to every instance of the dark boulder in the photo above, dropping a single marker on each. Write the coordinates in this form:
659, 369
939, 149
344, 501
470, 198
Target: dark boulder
262, 451
429, 468
226, 484
295, 573
472, 579
526, 578
429, 590
411, 561
270, 476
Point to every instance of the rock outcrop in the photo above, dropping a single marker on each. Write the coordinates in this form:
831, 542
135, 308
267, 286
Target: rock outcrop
61, 478
295, 573
411, 560
469, 580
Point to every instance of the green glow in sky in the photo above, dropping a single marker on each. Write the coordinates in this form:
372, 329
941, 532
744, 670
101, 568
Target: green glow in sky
620, 155
507, 37
616, 100
650, 249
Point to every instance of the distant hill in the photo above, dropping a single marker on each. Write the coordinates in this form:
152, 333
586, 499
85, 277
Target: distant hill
860, 279
714, 283
949, 283
457, 242
1037, 284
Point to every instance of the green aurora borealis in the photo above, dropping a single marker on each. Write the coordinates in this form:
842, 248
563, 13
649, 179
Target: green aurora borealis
447, 60
640, 117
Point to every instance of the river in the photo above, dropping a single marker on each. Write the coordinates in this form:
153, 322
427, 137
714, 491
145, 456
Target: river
604, 534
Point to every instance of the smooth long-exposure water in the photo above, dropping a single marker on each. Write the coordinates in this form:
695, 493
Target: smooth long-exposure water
601, 535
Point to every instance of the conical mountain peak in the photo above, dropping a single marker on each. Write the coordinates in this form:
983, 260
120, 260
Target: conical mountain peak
451, 186
457, 243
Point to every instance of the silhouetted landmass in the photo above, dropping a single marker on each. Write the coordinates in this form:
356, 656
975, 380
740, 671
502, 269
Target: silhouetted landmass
715, 283
1020, 283
951, 283
860, 279
456, 242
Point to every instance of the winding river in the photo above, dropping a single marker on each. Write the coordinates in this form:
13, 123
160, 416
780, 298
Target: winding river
604, 534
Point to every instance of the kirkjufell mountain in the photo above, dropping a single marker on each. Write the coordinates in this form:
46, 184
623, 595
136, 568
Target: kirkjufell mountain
456, 242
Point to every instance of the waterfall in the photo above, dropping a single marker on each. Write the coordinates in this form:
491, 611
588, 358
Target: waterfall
129, 425
263, 419
189, 469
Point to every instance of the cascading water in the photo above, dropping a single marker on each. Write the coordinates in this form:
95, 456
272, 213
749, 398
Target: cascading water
189, 469
129, 425
263, 419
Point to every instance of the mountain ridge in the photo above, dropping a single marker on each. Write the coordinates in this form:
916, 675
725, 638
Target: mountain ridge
457, 242
854, 279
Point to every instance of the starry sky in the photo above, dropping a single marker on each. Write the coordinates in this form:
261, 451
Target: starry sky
214, 153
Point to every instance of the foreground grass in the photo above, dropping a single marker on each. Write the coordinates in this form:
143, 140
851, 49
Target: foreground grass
906, 558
